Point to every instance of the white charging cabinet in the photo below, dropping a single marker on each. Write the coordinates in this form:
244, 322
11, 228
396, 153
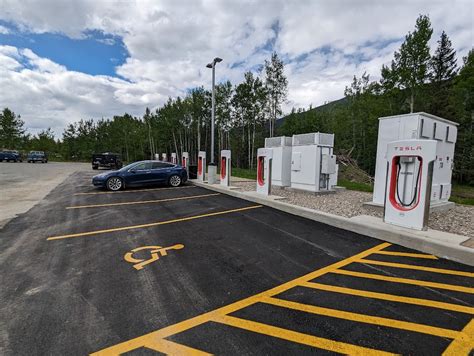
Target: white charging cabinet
313, 163
281, 164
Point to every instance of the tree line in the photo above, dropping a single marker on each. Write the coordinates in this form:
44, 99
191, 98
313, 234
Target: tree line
246, 113
416, 80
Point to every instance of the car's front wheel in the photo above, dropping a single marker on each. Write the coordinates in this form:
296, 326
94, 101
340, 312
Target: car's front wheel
175, 180
114, 184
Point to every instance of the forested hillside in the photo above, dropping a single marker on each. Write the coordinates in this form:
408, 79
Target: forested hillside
418, 79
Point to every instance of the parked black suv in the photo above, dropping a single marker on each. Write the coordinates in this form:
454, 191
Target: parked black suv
107, 159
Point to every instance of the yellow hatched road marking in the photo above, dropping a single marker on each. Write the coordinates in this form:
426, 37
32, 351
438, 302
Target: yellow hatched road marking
300, 338
390, 297
123, 228
142, 341
363, 318
419, 268
172, 348
142, 201
133, 190
415, 282
407, 254
464, 343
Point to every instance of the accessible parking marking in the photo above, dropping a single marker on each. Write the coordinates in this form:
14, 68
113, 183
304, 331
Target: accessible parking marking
124, 228
135, 190
155, 252
142, 201
462, 341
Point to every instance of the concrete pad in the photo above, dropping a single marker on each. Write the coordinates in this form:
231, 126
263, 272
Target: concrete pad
268, 197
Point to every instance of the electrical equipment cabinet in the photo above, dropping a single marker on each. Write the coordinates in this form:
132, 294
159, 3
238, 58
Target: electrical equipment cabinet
281, 161
313, 163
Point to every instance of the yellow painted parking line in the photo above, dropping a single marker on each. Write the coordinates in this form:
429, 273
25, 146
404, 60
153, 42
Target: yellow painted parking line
124, 228
142, 201
172, 348
415, 282
464, 343
407, 254
363, 318
134, 190
297, 337
142, 341
390, 297
419, 268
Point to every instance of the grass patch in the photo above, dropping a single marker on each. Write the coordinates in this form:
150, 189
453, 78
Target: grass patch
459, 200
462, 194
244, 173
362, 187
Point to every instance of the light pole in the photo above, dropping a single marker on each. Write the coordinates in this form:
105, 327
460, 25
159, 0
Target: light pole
212, 165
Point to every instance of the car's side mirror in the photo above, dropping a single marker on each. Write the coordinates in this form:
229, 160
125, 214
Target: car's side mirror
133, 171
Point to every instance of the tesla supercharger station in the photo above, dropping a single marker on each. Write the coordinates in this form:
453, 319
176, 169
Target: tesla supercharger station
418, 126
164, 157
409, 180
226, 167
174, 160
264, 170
157, 156
201, 169
185, 161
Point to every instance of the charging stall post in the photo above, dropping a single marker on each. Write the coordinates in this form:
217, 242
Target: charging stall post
201, 166
174, 159
164, 157
185, 161
264, 171
409, 180
226, 167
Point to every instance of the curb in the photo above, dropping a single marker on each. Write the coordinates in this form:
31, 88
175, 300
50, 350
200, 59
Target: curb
438, 243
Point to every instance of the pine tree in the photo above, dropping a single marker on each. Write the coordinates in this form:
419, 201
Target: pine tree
11, 129
276, 85
443, 70
462, 98
443, 62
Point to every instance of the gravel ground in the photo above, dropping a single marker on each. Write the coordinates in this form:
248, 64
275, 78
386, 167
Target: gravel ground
348, 203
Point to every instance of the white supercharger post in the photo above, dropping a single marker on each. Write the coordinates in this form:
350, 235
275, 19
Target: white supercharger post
174, 160
226, 167
264, 171
157, 156
201, 169
185, 161
408, 188
164, 157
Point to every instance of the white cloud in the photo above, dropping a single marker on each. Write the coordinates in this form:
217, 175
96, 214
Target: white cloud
170, 42
4, 30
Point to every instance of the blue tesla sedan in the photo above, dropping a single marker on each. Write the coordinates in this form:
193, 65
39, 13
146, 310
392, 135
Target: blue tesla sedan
142, 173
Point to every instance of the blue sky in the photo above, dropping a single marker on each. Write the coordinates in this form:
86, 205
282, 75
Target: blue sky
63, 61
96, 54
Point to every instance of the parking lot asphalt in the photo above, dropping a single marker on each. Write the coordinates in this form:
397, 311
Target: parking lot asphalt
186, 270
